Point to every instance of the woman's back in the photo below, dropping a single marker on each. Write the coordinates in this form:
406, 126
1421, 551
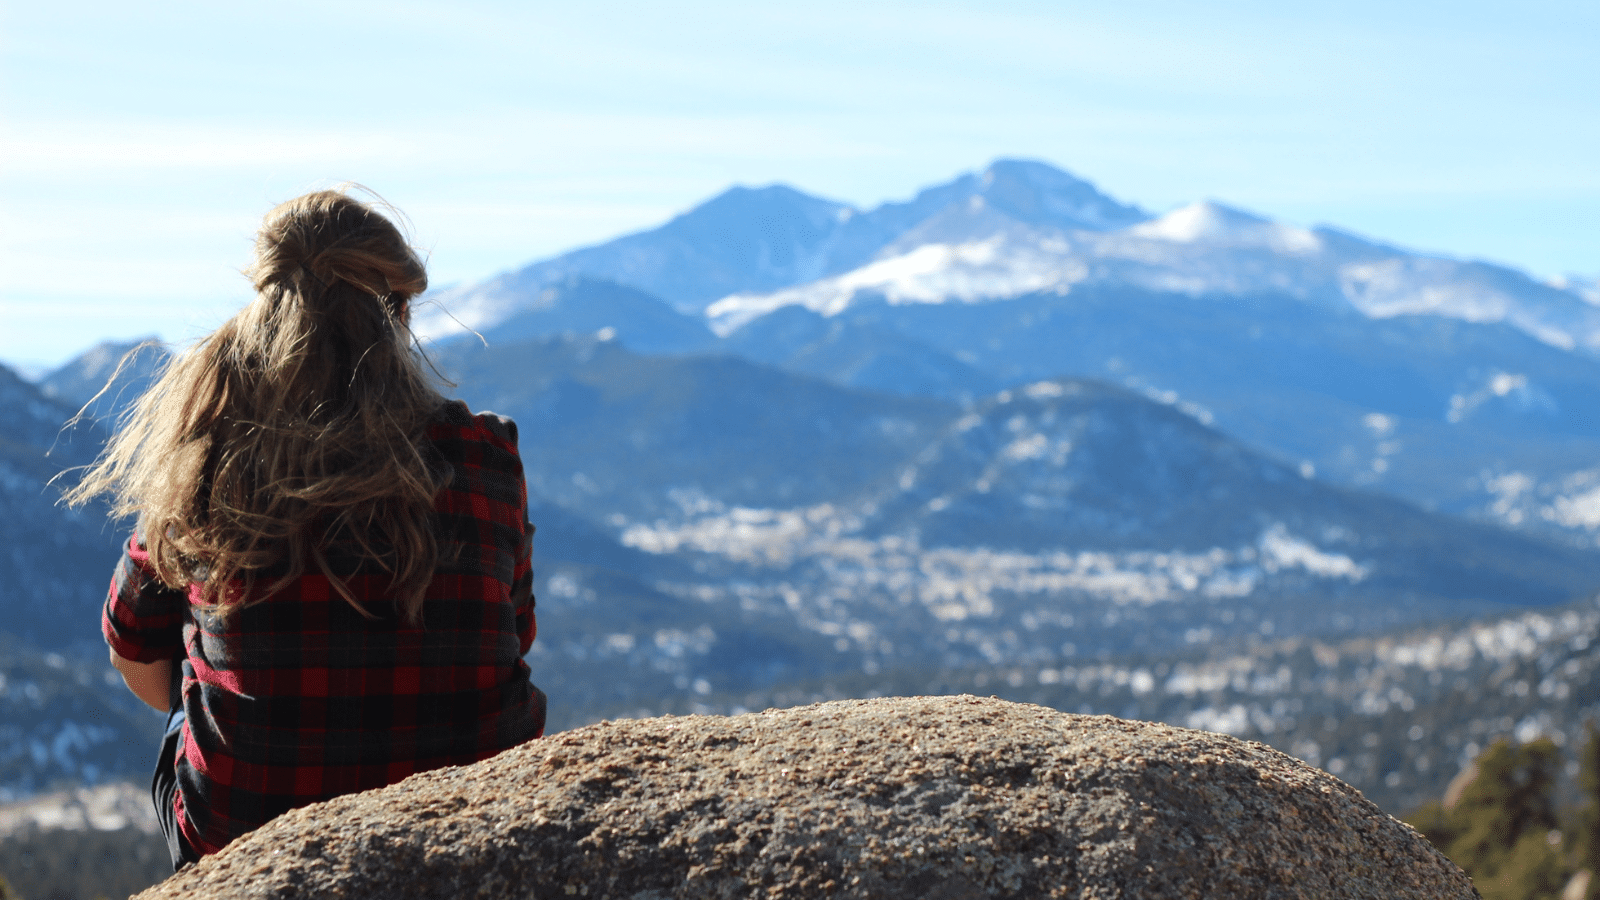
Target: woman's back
298, 697
340, 558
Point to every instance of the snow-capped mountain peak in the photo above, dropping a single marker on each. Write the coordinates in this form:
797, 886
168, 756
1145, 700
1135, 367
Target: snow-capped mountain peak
1016, 227
1039, 194
984, 268
1210, 223
749, 240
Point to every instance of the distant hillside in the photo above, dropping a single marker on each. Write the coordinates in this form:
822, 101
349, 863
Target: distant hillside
1396, 714
1069, 517
578, 306
1078, 518
607, 431
67, 721
60, 560
109, 377
710, 525
1469, 417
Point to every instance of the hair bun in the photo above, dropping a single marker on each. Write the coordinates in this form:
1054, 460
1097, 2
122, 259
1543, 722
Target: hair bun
338, 264
333, 237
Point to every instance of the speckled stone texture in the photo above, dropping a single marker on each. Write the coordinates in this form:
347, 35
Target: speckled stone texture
934, 798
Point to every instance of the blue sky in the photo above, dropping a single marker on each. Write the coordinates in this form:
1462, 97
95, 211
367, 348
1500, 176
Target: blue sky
140, 144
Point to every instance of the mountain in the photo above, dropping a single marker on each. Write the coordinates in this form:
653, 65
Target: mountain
1458, 385
856, 353
1466, 417
107, 378
759, 239
60, 559
1587, 288
1204, 248
610, 639
1063, 512
1078, 518
578, 305
609, 432
67, 721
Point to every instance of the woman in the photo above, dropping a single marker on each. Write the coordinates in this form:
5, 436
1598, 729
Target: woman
337, 557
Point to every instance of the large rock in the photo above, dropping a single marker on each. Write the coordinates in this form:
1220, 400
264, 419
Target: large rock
928, 797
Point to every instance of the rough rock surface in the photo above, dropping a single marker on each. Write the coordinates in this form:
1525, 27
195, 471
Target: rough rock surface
928, 797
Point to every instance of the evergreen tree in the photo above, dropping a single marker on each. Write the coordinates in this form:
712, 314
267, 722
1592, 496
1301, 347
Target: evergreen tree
1587, 832
1502, 830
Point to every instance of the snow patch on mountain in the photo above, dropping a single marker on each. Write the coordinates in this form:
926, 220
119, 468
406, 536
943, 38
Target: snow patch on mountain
1511, 387
956, 583
1587, 288
1282, 550
967, 272
1443, 287
1578, 510
1571, 501
1215, 225
462, 310
979, 252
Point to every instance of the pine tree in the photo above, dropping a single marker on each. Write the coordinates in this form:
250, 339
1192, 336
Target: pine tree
1587, 832
1502, 830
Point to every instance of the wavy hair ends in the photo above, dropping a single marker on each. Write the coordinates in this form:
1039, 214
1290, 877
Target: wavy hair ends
292, 439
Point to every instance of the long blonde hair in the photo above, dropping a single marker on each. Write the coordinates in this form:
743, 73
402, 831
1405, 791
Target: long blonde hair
295, 427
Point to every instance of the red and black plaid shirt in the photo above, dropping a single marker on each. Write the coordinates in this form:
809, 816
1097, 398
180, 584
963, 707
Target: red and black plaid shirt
298, 698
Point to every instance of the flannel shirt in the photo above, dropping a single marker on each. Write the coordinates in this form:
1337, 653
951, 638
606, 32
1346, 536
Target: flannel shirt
297, 698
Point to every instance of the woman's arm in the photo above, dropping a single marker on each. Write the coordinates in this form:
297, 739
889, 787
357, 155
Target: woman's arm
145, 618
150, 682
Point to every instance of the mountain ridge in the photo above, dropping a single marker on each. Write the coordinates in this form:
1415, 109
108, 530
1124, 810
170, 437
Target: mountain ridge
1515, 448
763, 238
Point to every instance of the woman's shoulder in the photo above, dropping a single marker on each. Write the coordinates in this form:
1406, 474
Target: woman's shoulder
456, 416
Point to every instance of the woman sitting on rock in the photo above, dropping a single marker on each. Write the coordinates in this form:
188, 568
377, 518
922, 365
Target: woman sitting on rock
337, 557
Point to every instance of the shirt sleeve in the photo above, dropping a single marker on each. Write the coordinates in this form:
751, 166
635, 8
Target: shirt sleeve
143, 619
504, 428
522, 575
522, 592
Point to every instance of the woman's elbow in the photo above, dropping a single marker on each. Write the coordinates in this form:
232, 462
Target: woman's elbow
150, 682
